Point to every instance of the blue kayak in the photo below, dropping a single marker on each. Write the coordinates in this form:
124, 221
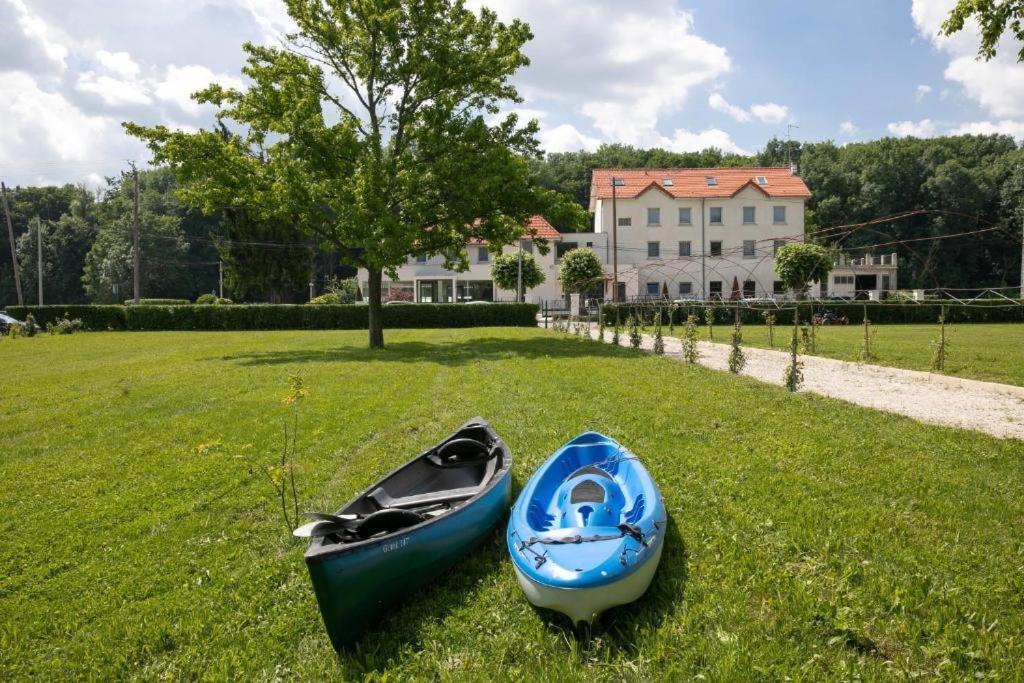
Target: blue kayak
587, 531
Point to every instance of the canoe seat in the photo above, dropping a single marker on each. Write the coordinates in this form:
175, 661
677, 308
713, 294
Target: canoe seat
384, 500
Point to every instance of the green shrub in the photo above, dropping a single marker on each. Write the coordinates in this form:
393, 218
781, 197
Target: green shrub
64, 326
206, 299
159, 302
330, 298
282, 317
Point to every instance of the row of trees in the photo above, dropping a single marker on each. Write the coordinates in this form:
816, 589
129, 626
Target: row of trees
87, 246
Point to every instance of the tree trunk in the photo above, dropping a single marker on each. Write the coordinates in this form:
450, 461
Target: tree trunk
373, 299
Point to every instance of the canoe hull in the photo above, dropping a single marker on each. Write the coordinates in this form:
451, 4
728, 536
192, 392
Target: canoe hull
356, 582
356, 588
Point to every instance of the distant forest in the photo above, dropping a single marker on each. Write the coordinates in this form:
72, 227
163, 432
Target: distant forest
954, 185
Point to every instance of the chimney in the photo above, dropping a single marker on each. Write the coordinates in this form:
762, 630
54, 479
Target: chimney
794, 169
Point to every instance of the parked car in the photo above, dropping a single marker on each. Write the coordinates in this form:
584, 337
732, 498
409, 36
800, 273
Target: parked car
397, 302
6, 321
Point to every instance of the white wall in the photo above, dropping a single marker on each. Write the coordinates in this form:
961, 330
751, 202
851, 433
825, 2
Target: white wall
637, 269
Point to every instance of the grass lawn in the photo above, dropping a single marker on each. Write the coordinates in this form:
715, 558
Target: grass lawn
807, 538
994, 353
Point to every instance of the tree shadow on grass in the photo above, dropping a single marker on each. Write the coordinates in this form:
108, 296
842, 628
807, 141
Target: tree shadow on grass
622, 628
453, 353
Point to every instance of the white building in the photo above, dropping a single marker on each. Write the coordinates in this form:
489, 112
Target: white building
425, 279
681, 233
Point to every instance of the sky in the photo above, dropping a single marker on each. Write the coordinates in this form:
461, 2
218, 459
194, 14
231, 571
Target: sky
678, 74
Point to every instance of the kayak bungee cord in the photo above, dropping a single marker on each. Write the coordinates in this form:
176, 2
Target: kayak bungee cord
626, 529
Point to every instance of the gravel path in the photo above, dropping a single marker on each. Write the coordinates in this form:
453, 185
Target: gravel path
996, 409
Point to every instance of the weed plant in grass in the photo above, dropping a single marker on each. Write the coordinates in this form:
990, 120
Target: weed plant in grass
807, 538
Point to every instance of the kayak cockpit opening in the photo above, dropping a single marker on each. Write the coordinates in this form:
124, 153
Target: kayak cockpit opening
438, 482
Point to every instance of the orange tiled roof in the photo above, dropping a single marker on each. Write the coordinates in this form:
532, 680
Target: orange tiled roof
541, 229
692, 182
536, 227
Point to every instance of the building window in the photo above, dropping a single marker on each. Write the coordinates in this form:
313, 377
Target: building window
653, 249
625, 222
654, 216
475, 290
653, 288
716, 248
776, 245
421, 258
562, 248
843, 279
748, 289
482, 255
749, 215
779, 215
684, 248
778, 287
716, 215
528, 246
749, 249
685, 215
685, 288
715, 289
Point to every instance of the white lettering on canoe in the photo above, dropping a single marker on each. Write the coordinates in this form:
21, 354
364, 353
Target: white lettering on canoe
394, 545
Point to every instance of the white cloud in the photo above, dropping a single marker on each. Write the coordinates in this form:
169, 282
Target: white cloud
181, 81
925, 128
113, 91
687, 141
997, 85
45, 124
38, 30
566, 138
922, 91
118, 63
624, 66
847, 129
717, 102
1012, 128
770, 112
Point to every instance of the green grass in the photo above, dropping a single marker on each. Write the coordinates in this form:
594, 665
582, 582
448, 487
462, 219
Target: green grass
993, 353
808, 538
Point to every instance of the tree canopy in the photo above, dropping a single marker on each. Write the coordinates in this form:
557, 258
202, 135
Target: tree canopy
375, 127
799, 264
580, 269
994, 18
505, 271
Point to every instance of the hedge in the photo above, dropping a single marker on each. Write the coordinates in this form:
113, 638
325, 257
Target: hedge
877, 311
282, 317
158, 302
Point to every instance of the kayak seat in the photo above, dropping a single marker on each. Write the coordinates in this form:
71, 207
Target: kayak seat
384, 500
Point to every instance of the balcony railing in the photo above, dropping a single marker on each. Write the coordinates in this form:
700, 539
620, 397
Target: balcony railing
868, 260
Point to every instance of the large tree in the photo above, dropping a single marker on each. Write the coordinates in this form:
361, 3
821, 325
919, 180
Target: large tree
376, 128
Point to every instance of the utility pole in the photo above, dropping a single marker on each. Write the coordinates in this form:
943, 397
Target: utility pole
14, 251
1022, 256
615, 242
39, 256
519, 282
136, 255
220, 278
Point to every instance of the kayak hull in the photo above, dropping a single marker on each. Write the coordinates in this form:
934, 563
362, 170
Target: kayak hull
584, 605
587, 531
356, 584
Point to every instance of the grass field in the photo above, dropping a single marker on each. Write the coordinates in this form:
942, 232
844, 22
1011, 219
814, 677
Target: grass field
808, 538
993, 353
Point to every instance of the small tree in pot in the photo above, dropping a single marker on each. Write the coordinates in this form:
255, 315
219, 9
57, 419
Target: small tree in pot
505, 272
